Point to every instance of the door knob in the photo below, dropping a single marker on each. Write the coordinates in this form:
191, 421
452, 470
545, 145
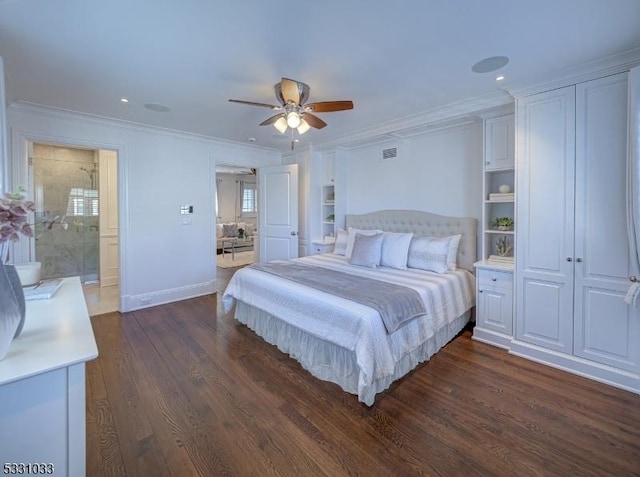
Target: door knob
293, 232
579, 260
633, 279
569, 259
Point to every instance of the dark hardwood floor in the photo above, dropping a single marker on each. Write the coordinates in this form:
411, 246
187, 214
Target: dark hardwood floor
182, 390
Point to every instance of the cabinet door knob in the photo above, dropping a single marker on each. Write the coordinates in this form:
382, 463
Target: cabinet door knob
579, 260
569, 259
480, 291
633, 279
493, 279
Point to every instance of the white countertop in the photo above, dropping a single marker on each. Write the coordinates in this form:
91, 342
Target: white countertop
57, 333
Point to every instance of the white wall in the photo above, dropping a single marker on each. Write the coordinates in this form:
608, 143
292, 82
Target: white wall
440, 172
161, 259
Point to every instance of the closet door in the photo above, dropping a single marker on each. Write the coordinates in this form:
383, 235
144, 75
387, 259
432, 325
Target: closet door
544, 218
606, 328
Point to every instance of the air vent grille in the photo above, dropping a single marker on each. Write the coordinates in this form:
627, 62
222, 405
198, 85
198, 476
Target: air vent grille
390, 153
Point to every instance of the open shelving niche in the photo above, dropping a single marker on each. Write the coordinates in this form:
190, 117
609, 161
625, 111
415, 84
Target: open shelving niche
328, 212
494, 208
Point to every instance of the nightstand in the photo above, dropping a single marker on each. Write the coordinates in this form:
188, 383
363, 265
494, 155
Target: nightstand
494, 304
321, 246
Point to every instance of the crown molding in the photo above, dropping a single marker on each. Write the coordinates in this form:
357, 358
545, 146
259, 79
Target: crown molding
450, 115
67, 114
606, 66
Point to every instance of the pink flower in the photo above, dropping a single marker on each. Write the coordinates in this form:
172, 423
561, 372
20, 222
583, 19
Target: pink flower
14, 216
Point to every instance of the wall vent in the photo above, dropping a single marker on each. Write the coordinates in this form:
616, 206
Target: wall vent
390, 153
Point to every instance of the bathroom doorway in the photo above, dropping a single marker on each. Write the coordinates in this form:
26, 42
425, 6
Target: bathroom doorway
76, 219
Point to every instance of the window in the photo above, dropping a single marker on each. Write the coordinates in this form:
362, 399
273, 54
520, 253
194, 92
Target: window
82, 202
248, 198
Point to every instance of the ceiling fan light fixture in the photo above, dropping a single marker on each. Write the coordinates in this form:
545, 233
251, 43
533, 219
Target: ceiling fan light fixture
304, 127
281, 124
293, 119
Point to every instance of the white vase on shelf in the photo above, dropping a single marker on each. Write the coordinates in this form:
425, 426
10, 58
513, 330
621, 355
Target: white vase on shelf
11, 314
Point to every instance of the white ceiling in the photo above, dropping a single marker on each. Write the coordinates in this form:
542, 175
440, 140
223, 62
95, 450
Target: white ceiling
394, 59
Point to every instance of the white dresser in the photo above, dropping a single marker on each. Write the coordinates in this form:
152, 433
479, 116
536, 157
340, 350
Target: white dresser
42, 386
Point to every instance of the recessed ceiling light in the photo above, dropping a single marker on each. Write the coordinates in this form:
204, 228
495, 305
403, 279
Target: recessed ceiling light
124, 100
500, 78
158, 108
490, 64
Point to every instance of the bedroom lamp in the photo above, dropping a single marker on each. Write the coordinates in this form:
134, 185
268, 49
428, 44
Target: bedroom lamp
304, 127
281, 124
291, 120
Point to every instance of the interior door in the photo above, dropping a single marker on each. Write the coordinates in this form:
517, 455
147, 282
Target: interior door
278, 212
108, 197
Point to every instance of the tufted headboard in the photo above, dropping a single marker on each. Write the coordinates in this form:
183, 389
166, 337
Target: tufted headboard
424, 224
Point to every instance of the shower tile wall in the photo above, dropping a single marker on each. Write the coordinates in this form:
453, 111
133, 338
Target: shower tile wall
73, 251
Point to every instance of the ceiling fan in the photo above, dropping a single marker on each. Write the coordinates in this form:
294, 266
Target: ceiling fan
294, 112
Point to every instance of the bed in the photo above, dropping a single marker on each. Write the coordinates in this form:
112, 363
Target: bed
344, 341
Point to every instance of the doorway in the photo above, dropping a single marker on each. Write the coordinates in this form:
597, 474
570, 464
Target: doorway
76, 226
236, 216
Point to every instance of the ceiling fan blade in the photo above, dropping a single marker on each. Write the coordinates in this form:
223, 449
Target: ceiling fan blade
328, 106
252, 103
290, 90
271, 120
314, 121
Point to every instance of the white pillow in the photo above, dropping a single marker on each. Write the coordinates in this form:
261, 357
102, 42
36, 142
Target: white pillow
352, 237
218, 230
395, 250
367, 250
452, 253
340, 246
429, 253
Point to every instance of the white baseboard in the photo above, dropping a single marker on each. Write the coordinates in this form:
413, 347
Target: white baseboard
588, 369
146, 300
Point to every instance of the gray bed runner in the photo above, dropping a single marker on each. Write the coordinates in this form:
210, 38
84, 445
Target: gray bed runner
396, 304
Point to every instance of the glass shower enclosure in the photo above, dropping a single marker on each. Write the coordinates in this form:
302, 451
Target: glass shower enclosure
66, 231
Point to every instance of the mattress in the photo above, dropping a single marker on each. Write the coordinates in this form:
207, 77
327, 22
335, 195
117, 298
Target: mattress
345, 342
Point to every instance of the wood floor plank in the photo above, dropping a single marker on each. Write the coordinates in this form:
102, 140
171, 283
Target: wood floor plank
184, 389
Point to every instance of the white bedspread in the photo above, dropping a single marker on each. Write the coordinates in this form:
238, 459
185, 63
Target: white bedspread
350, 325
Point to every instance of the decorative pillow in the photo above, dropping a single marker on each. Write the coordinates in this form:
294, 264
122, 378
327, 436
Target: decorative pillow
395, 250
342, 237
218, 230
452, 254
229, 230
429, 253
367, 250
352, 237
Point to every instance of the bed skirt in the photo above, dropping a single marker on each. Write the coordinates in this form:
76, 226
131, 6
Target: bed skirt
333, 363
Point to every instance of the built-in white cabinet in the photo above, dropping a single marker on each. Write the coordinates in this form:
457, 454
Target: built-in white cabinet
328, 211
494, 270
329, 200
498, 234
572, 255
494, 305
499, 141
